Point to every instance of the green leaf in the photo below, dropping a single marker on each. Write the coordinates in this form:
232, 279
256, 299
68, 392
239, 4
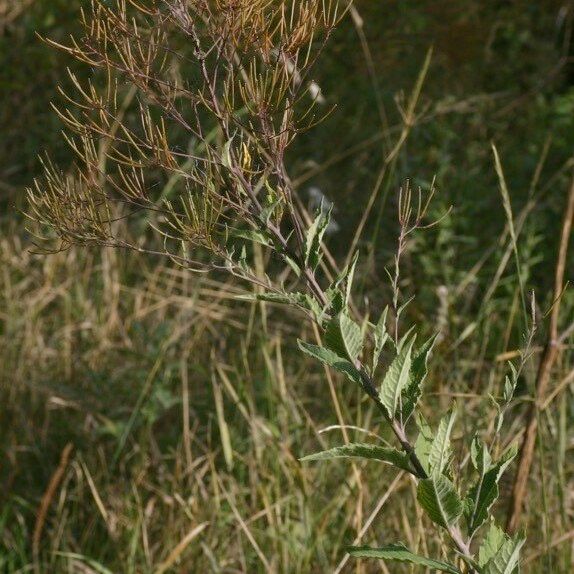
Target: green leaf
312, 304
485, 492
480, 456
331, 359
251, 235
362, 450
507, 559
510, 383
269, 297
491, 544
344, 337
404, 306
314, 236
424, 442
396, 378
339, 292
418, 374
226, 153
293, 264
346, 278
269, 211
400, 553
350, 275
404, 339
440, 451
335, 302
302, 300
438, 497
381, 336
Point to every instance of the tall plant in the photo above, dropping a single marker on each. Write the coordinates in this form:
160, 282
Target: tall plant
233, 79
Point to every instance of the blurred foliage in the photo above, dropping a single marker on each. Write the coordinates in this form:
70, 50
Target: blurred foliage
498, 73
30, 73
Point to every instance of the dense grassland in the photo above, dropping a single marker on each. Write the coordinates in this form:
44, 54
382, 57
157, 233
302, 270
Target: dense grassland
152, 421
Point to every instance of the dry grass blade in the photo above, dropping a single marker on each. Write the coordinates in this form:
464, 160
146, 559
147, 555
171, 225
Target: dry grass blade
48, 497
180, 548
547, 361
392, 487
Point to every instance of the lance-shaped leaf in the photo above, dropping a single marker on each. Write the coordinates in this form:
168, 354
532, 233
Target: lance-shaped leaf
424, 442
314, 236
270, 297
363, 450
381, 336
438, 497
419, 370
502, 404
491, 544
396, 378
510, 383
312, 304
507, 559
440, 451
400, 553
481, 459
344, 337
350, 275
252, 235
406, 338
293, 264
485, 492
331, 359
302, 300
344, 281
335, 302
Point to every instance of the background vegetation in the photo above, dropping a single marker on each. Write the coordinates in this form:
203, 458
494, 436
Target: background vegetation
151, 422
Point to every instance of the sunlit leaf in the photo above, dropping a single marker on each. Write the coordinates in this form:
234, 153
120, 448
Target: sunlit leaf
396, 378
491, 544
400, 553
314, 236
417, 376
331, 359
507, 558
344, 337
480, 456
438, 496
381, 337
440, 451
424, 442
485, 492
362, 450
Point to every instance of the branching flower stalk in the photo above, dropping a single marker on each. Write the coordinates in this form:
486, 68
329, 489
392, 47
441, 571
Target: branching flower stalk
223, 87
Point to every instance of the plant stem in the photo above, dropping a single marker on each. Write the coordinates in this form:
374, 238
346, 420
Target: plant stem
419, 472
